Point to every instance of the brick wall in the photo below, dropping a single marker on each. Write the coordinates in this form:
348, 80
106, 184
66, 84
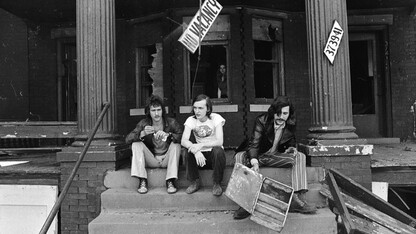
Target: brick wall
403, 72
83, 202
352, 160
356, 167
296, 71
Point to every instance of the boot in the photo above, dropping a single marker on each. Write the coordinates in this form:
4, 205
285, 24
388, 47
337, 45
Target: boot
193, 187
142, 186
216, 189
300, 206
170, 186
241, 213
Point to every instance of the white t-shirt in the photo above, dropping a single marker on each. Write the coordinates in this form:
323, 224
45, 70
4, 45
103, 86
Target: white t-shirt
205, 131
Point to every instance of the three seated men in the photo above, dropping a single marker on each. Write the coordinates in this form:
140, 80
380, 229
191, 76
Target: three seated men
155, 143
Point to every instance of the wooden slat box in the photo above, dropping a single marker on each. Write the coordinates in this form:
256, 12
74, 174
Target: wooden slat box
266, 199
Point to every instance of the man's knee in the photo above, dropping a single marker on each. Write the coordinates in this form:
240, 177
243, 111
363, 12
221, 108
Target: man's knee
175, 146
137, 146
218, 152
240, 157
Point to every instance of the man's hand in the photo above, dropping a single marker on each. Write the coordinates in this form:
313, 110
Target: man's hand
194, 148
200, 159
291, 150
148, 130
159, 135
255, 167
255, 164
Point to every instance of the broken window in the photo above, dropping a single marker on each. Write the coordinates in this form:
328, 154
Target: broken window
143, 80
268, 69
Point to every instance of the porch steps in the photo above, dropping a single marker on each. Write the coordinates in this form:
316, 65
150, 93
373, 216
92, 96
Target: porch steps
123, 210
205, 222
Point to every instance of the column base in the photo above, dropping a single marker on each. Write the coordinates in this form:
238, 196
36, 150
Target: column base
350, 157
332, 135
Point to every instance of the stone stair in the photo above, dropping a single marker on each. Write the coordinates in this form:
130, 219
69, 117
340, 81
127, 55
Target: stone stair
125, 211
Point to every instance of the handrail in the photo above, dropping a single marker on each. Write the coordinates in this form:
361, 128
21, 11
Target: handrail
61, 197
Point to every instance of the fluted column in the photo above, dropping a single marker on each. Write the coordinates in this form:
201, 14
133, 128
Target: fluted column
96, 65
332, 142
330, 83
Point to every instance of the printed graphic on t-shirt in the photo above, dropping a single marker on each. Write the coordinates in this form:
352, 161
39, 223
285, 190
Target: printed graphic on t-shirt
203, 131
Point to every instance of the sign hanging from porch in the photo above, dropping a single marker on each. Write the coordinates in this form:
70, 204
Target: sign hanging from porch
332, 44
200, 25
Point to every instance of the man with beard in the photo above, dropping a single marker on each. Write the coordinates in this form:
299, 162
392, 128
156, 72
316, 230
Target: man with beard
155, 143
273, 144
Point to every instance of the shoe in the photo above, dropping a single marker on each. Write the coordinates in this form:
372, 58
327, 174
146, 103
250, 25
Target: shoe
143, 186
299, 206
193, 187
216, 189
241, 213
170, 186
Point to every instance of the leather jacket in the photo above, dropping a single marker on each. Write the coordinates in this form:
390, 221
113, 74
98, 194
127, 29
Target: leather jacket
170, 126
262, 138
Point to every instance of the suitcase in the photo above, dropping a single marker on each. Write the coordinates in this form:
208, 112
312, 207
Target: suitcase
266, 199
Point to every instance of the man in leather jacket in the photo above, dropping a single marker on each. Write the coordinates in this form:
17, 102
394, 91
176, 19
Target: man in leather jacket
155, 143
273, 144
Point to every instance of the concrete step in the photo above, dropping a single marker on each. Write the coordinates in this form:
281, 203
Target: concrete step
205, 222
157, 199
156, 177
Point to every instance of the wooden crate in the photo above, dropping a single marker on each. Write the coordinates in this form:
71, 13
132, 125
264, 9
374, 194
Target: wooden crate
266, 199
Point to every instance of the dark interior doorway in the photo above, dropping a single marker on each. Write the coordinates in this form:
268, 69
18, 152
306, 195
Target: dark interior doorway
67, 80
369, 88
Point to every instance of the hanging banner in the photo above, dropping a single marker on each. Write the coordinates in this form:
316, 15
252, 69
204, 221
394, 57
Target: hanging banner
200, 24
334, 39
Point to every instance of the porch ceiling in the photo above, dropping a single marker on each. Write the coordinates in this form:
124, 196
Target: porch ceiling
64, 10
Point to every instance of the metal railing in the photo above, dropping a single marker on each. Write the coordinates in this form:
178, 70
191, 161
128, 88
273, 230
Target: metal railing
62, 195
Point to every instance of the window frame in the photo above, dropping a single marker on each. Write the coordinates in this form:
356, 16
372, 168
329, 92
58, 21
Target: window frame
279, 84
187, 71
139, 79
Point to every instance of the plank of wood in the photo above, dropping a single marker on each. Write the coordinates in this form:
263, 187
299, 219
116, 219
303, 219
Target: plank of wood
372, 214
367, 227
30, 150
38, 130
264, 221
359, 192
272, 201
339, 203
270, 211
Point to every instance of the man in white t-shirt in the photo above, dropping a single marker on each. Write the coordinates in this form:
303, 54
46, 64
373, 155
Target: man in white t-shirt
207, 151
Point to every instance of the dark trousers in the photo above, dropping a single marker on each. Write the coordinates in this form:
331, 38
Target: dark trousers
215, 159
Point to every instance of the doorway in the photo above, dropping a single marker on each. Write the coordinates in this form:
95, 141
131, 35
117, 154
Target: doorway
369, 86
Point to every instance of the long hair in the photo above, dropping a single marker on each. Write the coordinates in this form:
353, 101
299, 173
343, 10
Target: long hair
276, 108
208, 101
154, 100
